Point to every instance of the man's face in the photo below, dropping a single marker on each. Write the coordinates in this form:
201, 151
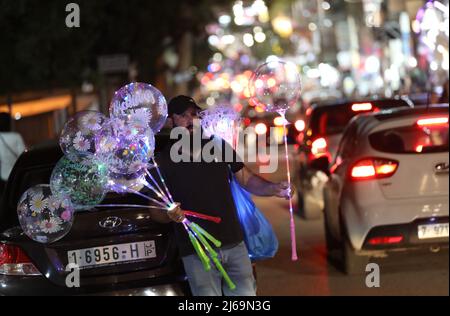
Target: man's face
186, 119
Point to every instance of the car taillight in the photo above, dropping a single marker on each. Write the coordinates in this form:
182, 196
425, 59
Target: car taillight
374, 168
434, 121
386, 240
362, 107
319, 147
14, 261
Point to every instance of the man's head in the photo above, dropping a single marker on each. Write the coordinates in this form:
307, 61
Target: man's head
5, 122
183, 110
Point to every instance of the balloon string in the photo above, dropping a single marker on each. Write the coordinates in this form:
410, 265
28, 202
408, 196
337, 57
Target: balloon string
160, 196
162, 181
216, 220
129, 206
139, 194
155, 183
291, 208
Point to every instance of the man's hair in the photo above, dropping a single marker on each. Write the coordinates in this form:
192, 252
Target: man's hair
5, 122
180, 104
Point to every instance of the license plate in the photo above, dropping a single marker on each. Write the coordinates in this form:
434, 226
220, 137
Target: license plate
433, 231
99, 256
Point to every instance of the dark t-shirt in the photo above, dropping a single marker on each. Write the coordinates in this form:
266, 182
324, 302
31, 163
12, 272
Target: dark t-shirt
203, 187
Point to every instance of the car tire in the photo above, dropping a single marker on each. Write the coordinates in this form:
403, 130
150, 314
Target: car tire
352, 264
333, 245
307, 212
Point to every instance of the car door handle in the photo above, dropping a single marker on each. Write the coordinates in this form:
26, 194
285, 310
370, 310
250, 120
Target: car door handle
441, 168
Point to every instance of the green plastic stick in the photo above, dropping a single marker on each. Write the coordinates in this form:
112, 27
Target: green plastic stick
214, 257
216, 242
200, 252
225, 275
204, 242
198, 249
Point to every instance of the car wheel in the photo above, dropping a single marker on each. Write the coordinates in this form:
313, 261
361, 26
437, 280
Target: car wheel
352, 263
333, 245
310, 208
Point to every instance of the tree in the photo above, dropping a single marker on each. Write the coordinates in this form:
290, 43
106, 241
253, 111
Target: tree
39, 51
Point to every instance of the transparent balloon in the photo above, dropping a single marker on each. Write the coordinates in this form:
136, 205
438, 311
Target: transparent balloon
142, 104
81, 177
126, 184
79, 133
125, 149
44, 217
221, 121
275, 86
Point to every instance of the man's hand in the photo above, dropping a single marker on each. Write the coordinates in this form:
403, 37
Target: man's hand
259, 186
176, 214
282, 190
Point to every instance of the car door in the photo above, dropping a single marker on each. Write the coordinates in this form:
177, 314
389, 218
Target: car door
338, 172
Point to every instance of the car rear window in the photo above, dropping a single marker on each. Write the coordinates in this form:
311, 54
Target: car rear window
332, 120
411, 140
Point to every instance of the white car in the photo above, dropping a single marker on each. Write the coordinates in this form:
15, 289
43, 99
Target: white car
388, 189
324, 126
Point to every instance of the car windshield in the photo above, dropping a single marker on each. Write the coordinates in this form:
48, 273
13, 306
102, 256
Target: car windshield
332, 120
411, 139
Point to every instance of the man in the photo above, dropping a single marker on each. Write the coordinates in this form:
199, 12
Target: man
204, 187
11, 147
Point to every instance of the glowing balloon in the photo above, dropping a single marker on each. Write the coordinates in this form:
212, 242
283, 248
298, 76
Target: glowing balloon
81, 177
222, 121
142, 104
275, 86
123, 184
78, 135
44, 217
125, 149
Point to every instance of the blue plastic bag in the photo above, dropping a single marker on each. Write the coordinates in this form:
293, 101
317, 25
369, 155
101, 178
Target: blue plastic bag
258, 233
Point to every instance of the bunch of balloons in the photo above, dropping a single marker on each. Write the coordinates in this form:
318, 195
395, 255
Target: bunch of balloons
99, 152
104, 155
221, 121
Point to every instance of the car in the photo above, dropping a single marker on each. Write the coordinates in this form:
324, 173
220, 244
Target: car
97, 235
388, 188
317, 145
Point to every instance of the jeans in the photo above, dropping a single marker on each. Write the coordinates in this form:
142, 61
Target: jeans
236, 263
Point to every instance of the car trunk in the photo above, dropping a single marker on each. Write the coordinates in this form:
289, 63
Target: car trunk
420, 146
418, 176
89, 233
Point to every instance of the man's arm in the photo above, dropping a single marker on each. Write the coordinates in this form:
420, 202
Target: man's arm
259, 186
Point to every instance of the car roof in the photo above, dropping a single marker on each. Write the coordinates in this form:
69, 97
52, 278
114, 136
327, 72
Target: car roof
367, 122
402, 112
375, 101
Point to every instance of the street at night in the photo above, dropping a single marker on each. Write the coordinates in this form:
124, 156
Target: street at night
258, 150
419, 274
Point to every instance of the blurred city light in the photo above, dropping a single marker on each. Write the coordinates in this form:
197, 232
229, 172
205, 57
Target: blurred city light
300, 125
378, 55
260, 129
283, 26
